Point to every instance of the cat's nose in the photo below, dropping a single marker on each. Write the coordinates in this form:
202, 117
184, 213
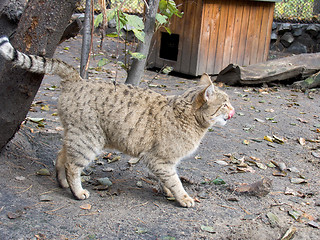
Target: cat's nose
231, 113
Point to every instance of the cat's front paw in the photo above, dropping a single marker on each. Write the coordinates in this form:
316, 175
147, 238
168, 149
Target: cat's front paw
186, 201
82, 195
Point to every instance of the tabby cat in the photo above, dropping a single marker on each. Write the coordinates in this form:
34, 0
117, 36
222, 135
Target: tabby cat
160, 130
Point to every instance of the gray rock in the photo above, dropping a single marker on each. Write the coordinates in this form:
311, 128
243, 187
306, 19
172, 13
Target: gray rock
287, 39
297, 47
306, 40
284, 27
313, 30
274, 25
297, 32
274, 35
112, 23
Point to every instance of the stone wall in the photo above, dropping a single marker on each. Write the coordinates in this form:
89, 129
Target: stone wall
295, 38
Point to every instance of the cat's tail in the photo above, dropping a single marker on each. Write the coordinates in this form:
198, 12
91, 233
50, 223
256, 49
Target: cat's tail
37, 64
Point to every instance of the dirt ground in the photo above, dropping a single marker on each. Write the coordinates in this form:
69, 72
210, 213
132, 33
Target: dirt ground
275, 135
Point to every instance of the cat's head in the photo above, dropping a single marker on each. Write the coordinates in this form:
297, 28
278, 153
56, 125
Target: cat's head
212, 106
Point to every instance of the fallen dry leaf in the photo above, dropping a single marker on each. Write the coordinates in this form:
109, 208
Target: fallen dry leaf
302, 141
289, 233
260, 188
86, 206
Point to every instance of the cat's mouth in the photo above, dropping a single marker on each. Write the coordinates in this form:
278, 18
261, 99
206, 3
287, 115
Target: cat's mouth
231, 113
222, 119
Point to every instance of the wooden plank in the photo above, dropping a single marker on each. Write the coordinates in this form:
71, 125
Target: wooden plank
243, 34
229, 34
180, 26
263, 32
269, 30
207, 13
258, 8
236, 33
194, 60
221, 36
251, 32
214, 29
190, 10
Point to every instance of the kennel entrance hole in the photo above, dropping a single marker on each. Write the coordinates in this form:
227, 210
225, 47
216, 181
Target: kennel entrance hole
169, 46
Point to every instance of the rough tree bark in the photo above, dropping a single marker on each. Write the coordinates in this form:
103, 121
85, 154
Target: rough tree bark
86, 41
137, 68
39, 31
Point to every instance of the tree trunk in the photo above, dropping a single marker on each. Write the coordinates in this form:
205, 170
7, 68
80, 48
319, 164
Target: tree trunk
137, 68
39, 31
86, 41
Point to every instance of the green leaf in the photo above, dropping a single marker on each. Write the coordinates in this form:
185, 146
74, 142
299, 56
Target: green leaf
114, 35
137, 55
295, 214
103, 61
207, 229
167, 69
162, 19
134, 21
139, 34
43, 172
140, 230
273, 219
169, 8
98, 20
218, 181
168, 30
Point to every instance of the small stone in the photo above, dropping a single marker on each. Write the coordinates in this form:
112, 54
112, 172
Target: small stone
297, 48
20, 178
46, 198
313, 30
287, 39
274, 36
274, 25
105, 181
297, 32
108, 169
112, 23
284, 27
139, 184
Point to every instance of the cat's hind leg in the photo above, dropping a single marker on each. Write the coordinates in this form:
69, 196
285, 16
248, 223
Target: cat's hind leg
60, 168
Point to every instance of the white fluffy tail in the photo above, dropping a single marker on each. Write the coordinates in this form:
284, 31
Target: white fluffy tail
37, 64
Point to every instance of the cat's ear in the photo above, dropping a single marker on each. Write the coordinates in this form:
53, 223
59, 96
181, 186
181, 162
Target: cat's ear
204, 96
205, 80
208, 92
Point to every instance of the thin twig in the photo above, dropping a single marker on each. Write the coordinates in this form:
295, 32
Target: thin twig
50, 191
26, 189
245, 210
15, 166
145, 2
139, 205
54, 210
225, 206
89, 214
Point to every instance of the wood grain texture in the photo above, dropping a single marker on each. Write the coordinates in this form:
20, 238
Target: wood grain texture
213, 34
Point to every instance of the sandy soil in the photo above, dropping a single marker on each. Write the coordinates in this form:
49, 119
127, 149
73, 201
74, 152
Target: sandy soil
32, 206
